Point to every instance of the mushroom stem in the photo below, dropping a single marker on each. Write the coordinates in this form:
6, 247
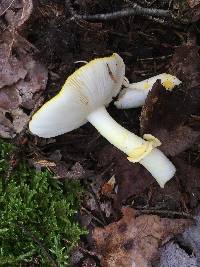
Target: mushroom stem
153, 160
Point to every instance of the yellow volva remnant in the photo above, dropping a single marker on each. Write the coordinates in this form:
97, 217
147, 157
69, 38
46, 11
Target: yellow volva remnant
139, 153
83, 98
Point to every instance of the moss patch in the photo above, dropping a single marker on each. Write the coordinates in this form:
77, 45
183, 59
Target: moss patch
37, 215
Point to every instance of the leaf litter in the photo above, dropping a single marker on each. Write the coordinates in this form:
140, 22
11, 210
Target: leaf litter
134, 239
22, 79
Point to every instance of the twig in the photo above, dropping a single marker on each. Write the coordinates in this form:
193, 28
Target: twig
165, 212
7, 8
37, 241
68, 4
135, 10
91, 253
94, 217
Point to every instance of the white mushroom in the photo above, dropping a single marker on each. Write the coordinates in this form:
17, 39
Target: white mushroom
83, 98
135, 94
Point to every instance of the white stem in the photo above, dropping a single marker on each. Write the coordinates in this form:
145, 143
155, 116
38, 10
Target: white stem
155, 162
131, 98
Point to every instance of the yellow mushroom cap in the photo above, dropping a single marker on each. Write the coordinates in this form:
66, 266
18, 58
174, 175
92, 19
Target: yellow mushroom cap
88, 88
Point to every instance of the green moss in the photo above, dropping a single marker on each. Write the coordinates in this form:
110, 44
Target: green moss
37, 215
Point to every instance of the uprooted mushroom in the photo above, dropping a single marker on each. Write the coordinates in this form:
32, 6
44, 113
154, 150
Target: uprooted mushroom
83, 98
135, 94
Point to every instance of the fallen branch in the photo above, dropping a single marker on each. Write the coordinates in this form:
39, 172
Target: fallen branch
135, 10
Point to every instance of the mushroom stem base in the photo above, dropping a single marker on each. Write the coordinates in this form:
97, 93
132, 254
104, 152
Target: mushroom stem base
155, 162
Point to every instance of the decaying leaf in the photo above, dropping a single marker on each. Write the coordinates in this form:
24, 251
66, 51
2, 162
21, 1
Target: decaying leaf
134, 241
11, 68
16, 12
22, 79
172, 255
190, 237
170, 196
190, 179
131, 179
185, 251
185, 64
186, 11
193, 3
167, 114
108, 187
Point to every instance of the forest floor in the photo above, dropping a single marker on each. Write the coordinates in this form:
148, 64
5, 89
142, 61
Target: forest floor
130, 219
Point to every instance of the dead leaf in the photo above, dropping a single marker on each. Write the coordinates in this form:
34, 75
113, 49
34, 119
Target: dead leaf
185, 64
167, 198
20, 119
22, 79
11, 68
89, 262
34, 82
174, 109
75, 256
186, 251
190, 237
172, 255
106, 207
9, 98
77, 172
134, 241
190, 179
193, 3
131, 179
186, 11
108, 187
5, 5
6, 127
17, 12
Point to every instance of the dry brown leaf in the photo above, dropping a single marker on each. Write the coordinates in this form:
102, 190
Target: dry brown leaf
131, 179
5, 5
11, 68
134, 241
168, 114
186, 11
22, 79
185, 64
25, 12
193, 3
9, 98
172, 255
16, 12
190, 179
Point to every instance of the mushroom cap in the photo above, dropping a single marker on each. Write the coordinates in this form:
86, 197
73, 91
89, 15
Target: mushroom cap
92, 86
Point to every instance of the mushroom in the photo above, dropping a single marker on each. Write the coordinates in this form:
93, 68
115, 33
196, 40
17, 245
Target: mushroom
83, 98
134, 95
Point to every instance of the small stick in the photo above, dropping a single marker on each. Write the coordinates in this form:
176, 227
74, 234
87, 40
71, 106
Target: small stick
70, 7
135, 10
37, 241
91, 253
7, 8
166, 212
94, 217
